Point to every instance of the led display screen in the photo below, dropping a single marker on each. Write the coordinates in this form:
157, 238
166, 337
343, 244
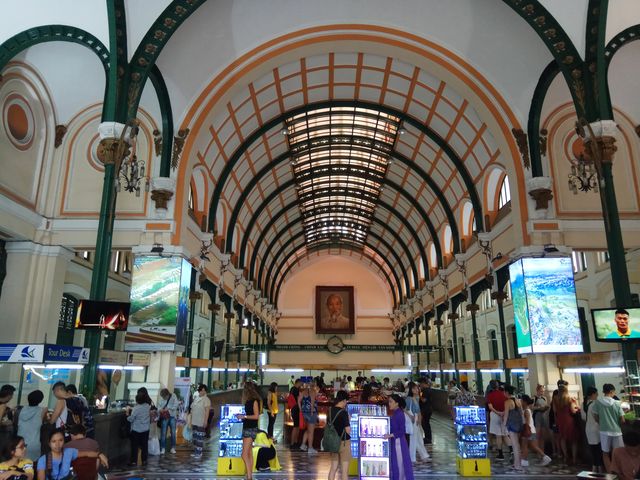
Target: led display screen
102, 315
159, 303
616, 325
545, 306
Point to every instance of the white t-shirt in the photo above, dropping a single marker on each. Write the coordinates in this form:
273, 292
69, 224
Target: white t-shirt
198, 408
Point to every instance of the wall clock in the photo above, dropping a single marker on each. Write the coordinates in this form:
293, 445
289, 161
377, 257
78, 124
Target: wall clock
335, 345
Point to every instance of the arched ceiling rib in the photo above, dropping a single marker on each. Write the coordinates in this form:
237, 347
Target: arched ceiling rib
405, 266
341, 151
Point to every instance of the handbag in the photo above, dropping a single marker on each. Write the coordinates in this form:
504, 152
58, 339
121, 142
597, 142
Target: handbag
408, 424
164, 413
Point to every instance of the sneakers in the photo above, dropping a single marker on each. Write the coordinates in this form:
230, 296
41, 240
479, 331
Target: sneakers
524, 463
196, 455
173, 450
303, 447
546, 460
162, 451
311, 451
264, 469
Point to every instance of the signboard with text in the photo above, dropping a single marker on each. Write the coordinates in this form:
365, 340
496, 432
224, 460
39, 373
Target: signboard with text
65, 354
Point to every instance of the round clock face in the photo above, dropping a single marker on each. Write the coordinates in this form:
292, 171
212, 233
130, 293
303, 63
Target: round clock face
335, 345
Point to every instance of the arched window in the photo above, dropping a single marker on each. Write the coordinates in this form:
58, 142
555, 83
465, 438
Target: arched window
505, 193
511, 341
462, 351
493, 345
191, 201
450, 350
66, 320
447, 240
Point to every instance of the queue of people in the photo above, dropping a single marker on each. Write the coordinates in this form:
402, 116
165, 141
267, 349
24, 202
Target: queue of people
50, 445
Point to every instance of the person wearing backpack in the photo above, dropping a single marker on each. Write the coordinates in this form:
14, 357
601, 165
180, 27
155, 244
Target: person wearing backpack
338, 427
69, 409
513, 421
87, 416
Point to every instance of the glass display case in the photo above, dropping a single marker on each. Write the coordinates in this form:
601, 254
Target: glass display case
471, 431
355, 410
230, 431
373, 446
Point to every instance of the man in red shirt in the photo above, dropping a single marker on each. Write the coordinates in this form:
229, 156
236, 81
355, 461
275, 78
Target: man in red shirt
495, 403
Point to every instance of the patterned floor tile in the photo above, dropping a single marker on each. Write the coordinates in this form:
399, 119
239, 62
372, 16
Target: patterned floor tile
300, 465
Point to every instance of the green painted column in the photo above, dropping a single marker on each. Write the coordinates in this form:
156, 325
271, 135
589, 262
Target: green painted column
100, 273
500, 297
228, 318
240, 323
425, 322
409, 350
249, 330
613, 231
473, 309
417, 332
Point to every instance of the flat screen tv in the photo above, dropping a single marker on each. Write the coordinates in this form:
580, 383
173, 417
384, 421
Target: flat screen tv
616, 324
102, 315
545, 306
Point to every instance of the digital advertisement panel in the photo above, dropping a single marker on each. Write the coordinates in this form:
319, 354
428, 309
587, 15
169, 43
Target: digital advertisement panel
550, 303
520, 311
616, 324
155, 313
102, 315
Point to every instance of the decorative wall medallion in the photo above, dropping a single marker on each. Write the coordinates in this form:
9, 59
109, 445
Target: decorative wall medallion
18, 121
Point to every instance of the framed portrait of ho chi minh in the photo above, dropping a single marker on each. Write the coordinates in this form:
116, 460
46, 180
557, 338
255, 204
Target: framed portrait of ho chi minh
334, 310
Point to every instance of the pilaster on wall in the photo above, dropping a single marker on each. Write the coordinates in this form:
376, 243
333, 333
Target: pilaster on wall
31, 295
162, 369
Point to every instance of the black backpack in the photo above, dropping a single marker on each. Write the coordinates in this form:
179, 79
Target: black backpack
331, 440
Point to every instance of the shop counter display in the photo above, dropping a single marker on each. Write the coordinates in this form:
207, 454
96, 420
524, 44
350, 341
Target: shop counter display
471, 434
373, 447
230, 443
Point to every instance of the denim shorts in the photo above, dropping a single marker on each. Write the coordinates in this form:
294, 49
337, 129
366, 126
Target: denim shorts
310, 418
249, 432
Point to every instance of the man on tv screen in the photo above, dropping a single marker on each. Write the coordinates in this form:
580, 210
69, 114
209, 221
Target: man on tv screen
622, 323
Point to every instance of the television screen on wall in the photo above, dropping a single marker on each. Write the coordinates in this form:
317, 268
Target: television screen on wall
102, 315
159, 303
616, 324
545, 306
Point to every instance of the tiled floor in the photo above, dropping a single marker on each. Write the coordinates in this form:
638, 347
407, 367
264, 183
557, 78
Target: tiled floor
300, 465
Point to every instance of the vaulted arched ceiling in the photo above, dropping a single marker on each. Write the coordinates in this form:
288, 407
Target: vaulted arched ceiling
385, 143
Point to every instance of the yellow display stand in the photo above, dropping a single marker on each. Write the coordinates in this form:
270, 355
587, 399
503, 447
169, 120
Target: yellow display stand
473, 467
353, 468
231, 466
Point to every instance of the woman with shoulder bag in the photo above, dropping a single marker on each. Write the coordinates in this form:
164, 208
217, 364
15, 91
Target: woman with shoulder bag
168, 414
513, 422
340, 418
416, 437
56, 465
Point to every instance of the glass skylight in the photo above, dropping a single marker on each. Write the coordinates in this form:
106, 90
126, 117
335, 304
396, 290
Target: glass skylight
340, 157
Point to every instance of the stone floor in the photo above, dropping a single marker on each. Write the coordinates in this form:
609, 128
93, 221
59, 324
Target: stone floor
300, 465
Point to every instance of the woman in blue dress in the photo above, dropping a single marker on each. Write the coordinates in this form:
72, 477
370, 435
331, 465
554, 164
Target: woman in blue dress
401, 468
56, 465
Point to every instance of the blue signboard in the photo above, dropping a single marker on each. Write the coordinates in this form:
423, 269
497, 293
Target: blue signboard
21, 353
65, 354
